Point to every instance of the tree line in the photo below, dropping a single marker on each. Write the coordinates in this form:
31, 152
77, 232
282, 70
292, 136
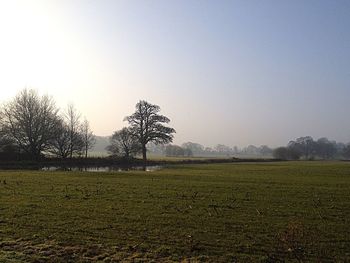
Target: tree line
301, 148
32, 127
189, 149
307, 148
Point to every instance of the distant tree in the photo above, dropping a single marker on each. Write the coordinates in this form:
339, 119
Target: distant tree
223, 149
340, 149
187, 152
325, 148
208, 151
265, 150
30, 121
281, 153
124, 143
286, 153
346, 151
305, 145
174, 150
295, 149
251, 150
88, 137
156, 149
146, 124
293, 153
196, 148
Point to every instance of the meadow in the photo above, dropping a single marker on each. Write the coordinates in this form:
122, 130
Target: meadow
238, 212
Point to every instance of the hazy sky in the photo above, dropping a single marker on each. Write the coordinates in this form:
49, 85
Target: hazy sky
231, 72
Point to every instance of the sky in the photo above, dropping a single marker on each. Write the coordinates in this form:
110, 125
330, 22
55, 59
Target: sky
224, 72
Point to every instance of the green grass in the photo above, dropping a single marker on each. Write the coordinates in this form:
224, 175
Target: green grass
263, 212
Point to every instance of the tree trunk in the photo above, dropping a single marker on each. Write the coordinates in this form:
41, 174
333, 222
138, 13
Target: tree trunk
144, 154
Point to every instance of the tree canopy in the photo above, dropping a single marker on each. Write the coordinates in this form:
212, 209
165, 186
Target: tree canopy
147, 125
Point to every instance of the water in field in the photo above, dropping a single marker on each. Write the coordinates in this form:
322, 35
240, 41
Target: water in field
103, 168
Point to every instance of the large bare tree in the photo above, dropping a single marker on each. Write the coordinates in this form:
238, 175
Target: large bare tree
146, 124
30, 121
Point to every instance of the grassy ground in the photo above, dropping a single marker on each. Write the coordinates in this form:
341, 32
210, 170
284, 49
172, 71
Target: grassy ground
263, 212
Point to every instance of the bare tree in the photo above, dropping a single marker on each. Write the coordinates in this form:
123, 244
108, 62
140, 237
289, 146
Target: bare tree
74, 126
30, 121
123, 143
147, 126
88, 137
60, 144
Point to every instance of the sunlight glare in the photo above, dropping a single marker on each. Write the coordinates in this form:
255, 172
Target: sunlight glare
36, 49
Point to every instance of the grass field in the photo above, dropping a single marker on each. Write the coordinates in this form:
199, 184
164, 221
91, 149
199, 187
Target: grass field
263, 212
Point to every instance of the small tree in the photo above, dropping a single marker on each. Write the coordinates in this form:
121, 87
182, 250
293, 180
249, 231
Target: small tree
60, 144
146, 124
123, 143
88, 137
76, 143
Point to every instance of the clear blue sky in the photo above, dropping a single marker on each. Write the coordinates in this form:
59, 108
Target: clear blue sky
231, 72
